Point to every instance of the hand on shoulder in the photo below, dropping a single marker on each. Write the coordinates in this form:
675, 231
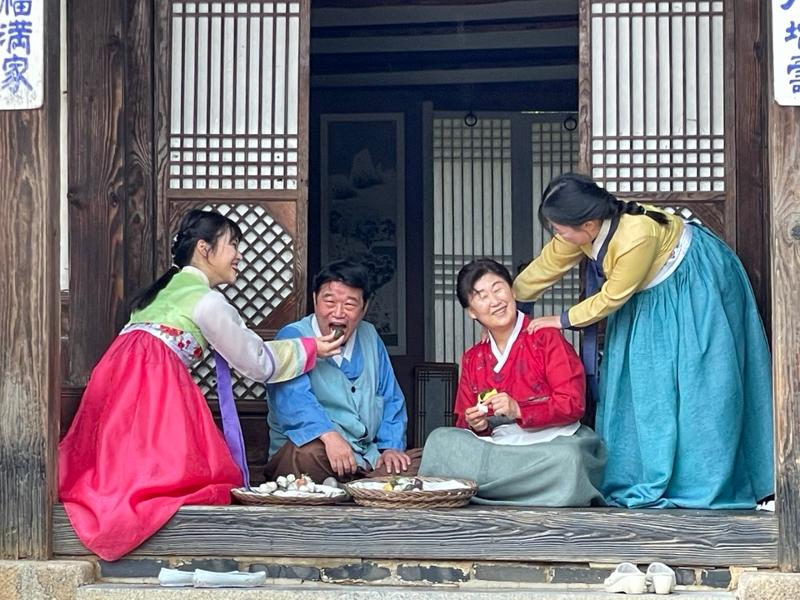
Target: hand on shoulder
538, 323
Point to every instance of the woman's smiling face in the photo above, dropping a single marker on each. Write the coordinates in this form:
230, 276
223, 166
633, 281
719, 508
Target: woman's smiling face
221, 262
492, 302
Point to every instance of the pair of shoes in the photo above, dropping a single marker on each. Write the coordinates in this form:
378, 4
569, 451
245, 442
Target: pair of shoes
628, 579
203, 579
660, 578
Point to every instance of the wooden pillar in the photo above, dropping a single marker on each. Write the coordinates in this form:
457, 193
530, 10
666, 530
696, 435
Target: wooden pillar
96, 180
29, 313
750, 90
784, 170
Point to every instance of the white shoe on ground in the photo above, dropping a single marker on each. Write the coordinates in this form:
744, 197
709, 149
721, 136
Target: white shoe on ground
626, 578
660, 578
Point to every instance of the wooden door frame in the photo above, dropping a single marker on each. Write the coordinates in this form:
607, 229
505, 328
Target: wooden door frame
29, 305
34, 487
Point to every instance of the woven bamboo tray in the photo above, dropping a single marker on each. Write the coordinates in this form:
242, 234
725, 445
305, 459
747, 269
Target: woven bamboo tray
259, 498
413, 499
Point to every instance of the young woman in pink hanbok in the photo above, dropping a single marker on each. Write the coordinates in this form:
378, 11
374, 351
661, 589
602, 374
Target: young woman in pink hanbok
144, 442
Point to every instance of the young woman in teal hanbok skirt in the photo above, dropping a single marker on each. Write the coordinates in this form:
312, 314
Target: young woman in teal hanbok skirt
685, 387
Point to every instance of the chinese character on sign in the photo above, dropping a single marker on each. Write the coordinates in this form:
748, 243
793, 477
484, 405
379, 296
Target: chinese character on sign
23, 7
14, 74
785, 56
16, 35
21, 54
794, 73
792, 33
16, 7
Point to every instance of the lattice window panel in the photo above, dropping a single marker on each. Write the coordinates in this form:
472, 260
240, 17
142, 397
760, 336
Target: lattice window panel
234, 108
554, 150
471, 217
684, 213
435, 388
657, 102
265, 280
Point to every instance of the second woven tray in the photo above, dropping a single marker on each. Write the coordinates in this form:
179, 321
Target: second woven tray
256, 498
413, 499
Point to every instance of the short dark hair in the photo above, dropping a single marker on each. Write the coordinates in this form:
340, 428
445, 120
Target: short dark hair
347, 271
471, 272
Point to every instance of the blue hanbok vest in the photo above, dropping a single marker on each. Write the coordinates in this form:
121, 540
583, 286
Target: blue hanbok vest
354, 407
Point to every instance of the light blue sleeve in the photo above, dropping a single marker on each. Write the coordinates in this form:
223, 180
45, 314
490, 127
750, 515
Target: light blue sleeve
392, 432
293, 405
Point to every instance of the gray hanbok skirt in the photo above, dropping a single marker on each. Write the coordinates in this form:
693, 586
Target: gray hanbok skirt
566, 471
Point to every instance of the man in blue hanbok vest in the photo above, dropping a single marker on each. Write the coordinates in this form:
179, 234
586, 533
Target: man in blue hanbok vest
347, 417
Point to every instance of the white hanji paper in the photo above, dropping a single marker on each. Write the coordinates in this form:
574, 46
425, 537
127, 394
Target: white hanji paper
22, 54
786, 51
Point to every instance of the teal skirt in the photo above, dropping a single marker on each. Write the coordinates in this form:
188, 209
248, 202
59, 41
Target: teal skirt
565, 471
686, 390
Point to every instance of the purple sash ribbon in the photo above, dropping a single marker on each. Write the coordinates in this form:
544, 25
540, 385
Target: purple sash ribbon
231, 427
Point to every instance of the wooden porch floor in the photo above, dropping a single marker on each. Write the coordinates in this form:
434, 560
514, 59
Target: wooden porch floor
603, 535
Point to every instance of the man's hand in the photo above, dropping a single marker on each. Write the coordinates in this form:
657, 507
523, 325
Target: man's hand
476, 419
339, 453
395, 461
504, 405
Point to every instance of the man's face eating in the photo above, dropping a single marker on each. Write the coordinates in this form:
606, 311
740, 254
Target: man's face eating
338, 306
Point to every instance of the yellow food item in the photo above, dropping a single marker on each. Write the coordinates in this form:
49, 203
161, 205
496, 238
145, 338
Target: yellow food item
484, 396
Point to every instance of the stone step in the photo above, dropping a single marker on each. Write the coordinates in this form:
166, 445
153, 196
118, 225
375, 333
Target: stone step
317, 591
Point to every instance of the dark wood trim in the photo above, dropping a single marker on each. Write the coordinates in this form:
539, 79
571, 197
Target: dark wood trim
139, 149
750, 96
29, 303
70, 399
161, 124
303, 103
584, 88
677, 537
96, 180
375, 3
784, 157
729, 69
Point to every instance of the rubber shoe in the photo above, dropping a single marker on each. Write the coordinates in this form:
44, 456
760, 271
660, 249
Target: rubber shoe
626, 578
660, 578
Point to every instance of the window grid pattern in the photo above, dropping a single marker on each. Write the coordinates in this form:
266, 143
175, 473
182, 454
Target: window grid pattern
657, 120
471, 218
234, 96
555, 150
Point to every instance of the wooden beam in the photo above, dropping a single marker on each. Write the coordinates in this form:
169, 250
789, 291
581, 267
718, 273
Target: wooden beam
447, 77
557, 37
96, 180
749, 93
678, 537
350, 13
140, 177
29, 313
784, 168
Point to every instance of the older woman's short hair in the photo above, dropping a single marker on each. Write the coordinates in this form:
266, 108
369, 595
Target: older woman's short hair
471, 272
